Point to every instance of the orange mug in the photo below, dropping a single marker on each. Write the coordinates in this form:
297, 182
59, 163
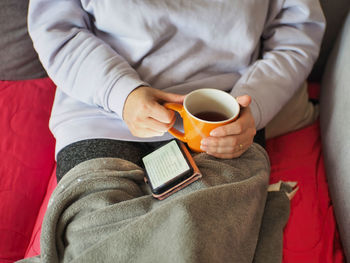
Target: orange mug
202, 111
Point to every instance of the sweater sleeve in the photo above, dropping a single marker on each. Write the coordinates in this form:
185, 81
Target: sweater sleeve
290, 46
81, 64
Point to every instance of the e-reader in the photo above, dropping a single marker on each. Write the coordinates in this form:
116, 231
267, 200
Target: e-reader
169, 169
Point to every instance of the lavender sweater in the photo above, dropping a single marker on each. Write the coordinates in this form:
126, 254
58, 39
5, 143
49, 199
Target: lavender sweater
98, 51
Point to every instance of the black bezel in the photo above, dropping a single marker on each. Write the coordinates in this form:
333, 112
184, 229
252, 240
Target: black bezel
176, 180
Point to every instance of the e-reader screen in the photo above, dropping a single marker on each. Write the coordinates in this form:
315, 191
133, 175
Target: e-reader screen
165, 164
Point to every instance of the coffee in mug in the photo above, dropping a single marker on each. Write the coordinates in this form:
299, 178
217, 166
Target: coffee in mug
211, 116
202, 111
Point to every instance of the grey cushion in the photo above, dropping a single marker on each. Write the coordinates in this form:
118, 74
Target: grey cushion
299, 112
335, 130
18, 59
335, 12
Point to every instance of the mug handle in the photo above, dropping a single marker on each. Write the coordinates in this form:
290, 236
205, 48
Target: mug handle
180, 109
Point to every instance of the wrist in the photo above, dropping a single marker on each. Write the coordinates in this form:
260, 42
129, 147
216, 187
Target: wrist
120, 92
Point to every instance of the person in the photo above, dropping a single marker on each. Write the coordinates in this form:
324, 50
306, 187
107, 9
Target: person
116, 62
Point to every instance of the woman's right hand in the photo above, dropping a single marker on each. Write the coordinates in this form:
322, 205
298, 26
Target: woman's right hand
144, 114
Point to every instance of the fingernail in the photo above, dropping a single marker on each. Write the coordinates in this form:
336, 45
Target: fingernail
212, 133
204, 142
203, 148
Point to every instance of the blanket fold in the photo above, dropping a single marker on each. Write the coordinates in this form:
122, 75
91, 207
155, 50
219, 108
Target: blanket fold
102, 211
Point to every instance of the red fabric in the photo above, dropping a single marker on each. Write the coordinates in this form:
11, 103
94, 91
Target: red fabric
311, 234
26, 154
34, 245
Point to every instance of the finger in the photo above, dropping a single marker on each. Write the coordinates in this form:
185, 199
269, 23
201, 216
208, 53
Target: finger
169, 97
221, 141
244, 100
229, 153
164, 114
161, 114
228, 148
227, 144
155, 125
234, 128
226, 155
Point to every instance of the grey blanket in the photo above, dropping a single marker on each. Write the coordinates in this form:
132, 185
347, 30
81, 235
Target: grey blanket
102, 211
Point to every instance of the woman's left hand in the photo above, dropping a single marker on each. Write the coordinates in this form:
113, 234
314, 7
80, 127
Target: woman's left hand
233, 139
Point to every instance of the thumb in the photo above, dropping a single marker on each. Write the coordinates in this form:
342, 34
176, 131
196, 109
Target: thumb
244, 100
170, 97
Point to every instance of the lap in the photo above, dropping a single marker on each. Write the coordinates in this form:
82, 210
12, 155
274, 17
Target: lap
104, 202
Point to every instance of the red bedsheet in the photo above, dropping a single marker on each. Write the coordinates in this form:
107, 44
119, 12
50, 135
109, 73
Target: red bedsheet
26, 160
27, 179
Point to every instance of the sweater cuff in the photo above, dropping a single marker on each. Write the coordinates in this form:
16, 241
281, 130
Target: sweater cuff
120, 92
254, 107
